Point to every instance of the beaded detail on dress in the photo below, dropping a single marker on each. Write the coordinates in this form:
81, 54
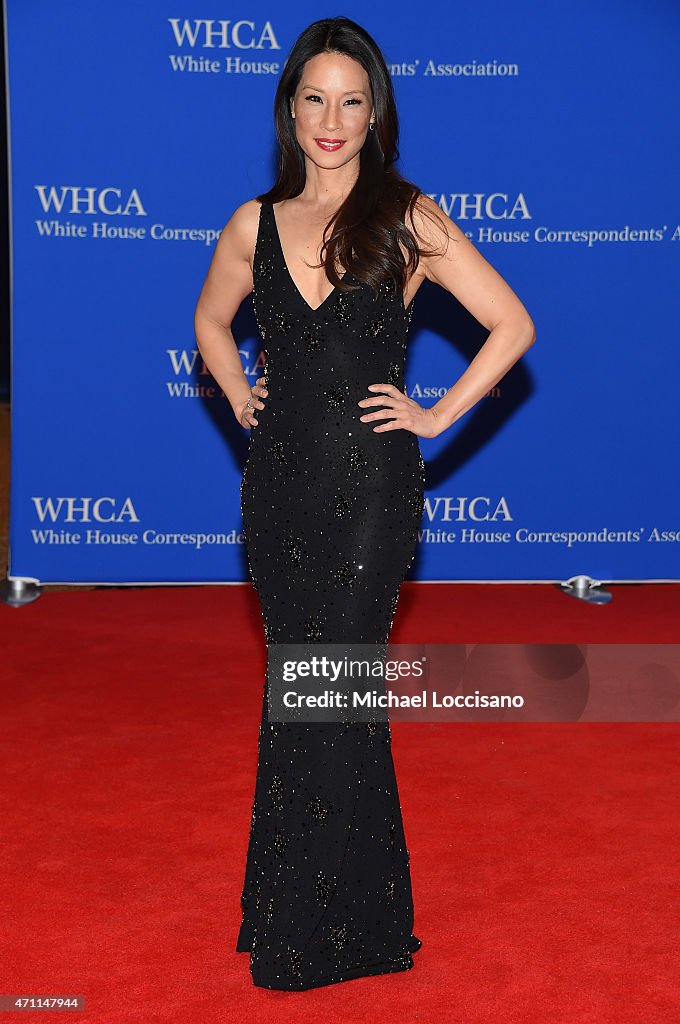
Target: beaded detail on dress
331, 513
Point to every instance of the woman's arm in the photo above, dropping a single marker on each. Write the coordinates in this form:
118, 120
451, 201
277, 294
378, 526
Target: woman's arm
463, 271
228, 281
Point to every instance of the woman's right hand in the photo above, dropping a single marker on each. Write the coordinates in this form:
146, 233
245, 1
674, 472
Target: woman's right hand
247, 412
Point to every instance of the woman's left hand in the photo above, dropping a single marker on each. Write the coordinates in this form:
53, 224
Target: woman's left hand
401, 411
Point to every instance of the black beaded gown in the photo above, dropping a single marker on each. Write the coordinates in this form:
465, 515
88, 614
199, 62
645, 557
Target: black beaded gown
331, 512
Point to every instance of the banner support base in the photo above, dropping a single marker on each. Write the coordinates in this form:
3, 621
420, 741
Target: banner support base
16, 593
585, 588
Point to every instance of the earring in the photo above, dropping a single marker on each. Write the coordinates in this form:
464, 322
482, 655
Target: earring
371, 125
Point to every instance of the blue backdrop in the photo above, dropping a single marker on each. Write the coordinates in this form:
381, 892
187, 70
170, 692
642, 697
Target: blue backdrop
548, 132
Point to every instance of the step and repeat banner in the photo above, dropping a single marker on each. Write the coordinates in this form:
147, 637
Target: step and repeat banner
548, 133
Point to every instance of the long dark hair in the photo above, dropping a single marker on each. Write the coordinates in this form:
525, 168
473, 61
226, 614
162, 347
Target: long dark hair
371, 222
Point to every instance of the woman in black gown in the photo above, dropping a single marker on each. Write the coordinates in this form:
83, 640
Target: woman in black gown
333, 489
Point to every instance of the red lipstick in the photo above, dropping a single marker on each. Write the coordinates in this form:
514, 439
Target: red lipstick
330, 145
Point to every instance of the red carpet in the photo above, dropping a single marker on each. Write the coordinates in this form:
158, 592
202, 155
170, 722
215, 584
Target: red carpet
544, 856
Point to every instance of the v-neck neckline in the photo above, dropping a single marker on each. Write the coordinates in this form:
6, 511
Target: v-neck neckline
334, 289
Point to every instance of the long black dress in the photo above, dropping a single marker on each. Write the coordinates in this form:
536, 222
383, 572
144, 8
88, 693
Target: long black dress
331, 512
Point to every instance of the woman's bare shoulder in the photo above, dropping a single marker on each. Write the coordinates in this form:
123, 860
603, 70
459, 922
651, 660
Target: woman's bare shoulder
429, 221
240, 231
247, 213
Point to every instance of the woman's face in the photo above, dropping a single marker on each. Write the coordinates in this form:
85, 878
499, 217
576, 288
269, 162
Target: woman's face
332, 108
